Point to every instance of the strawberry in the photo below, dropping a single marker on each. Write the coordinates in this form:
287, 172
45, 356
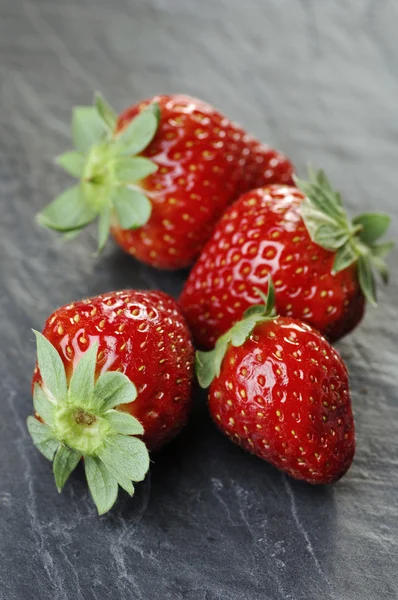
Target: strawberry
321, 262
159, 176
279, 390
263, 166
110, 368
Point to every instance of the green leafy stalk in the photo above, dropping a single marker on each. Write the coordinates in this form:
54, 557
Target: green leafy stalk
208, 364
80, 419
353, 242
109, 169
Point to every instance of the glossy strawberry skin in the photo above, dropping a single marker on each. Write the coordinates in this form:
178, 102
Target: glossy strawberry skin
205, 161
263, 167
142, 334
261, 234
283, 395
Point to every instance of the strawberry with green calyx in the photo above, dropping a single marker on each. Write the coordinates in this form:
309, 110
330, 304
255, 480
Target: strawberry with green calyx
279, 390
158, 176
80, 420
353, 241
208, 364
109, 170
321, 263
109, 369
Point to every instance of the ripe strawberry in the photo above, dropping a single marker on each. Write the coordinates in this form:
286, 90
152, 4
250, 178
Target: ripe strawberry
279, 390
263, 166
159, 175
321, 263
109, 368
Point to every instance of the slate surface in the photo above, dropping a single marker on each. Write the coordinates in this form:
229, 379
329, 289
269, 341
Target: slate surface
317, 79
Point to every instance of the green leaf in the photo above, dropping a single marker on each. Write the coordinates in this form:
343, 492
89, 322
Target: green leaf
72, 162
317, 203
105, 111
104, 226
138, 134
267, 309
332, 200
208, 364
239, 333
68, 212
255, 310
113, 388
330, 237
155, 108
220, 350
374, 225
81, 385
124, 423
93, 194
126, 457
344, 257
42, 405
205, 367
128, 170
65, 461
133, 208
42, 437
321, 196
382, 250
242, 329
102, 485
51, 367
320, 178
328, 226
122, 479
314, 218
87, 127
269, 299
325, 219
117, 471
126, 484
381, 267
70, 235
366, 279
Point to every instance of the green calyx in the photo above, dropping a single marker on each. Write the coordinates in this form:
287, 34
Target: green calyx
353, 241
109, 169
208, 364
79, 420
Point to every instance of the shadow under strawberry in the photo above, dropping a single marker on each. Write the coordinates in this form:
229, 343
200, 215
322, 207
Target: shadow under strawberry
117, 269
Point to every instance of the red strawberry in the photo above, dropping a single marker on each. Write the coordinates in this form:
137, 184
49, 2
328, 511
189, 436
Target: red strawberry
95, 358
279, 390
160, 175
263, 166
321, 263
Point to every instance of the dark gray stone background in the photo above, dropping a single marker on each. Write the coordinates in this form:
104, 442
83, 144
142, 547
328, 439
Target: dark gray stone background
319, 80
